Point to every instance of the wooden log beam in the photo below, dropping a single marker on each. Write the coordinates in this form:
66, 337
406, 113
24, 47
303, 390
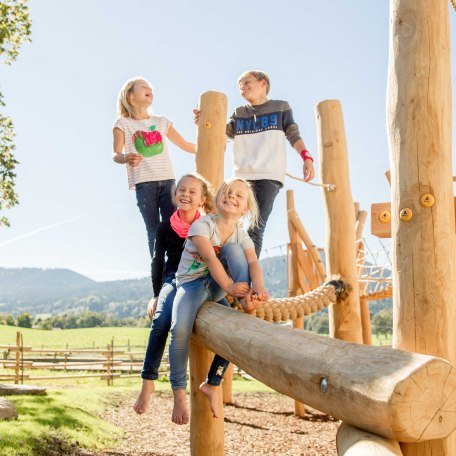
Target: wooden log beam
207, 434
352, 441
403, 396
420, 141
344, 318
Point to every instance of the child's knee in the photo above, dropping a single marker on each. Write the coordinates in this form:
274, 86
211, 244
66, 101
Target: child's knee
232, 249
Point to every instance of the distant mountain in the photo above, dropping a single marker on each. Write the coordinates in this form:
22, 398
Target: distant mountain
56, 291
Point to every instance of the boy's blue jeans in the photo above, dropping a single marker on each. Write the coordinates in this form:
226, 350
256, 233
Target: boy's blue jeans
189, 298
154, 199
265, 191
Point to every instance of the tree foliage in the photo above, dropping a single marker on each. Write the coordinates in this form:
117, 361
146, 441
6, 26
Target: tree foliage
15, 30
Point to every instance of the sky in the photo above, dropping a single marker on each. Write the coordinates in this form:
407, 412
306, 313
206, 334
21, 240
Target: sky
76, 210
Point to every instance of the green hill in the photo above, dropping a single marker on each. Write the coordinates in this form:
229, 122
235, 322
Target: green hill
55, 291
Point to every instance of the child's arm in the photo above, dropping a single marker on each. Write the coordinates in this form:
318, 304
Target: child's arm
218, 273
180, 142
119, 143
308, 166
256, 274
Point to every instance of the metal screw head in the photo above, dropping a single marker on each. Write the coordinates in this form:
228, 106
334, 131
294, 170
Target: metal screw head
323, 385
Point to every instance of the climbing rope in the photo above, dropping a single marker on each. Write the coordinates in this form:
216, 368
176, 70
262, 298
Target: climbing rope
453, 2
284, 309
327, 187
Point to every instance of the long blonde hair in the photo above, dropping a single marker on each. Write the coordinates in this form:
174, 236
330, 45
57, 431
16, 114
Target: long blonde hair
252, 206
124, 106
207, 191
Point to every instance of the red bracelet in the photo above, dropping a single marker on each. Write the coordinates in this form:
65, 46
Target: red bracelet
305, 155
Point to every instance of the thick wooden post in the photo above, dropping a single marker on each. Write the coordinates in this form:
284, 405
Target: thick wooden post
422, 211
344, 318
207, 433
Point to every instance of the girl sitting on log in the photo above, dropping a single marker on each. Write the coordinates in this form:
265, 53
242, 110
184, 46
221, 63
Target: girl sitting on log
218, 258
192, 194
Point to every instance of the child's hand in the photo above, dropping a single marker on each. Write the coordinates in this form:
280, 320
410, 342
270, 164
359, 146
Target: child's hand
238, 289
196, 115
134, 159
152, 307
308, 170
260, 293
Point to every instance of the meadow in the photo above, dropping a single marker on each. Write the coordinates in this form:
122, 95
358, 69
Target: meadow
76, 338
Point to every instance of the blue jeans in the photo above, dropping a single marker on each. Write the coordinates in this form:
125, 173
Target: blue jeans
159, 329
154, 199
265, 192
189, 298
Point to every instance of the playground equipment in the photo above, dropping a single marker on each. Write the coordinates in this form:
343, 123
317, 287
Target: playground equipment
392, 395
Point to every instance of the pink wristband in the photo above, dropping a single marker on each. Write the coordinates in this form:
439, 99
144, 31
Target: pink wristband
305, 155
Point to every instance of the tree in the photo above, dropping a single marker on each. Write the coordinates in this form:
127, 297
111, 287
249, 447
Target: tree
24, 320
15, 25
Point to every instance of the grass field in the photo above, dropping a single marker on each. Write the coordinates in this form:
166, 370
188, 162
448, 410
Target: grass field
75, 338
93, 337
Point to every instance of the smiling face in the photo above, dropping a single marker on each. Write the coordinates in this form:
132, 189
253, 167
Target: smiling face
141, 95
188, 195
234, 200
253, 90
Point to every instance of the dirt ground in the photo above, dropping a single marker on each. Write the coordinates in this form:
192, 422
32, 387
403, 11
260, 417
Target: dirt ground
258, 424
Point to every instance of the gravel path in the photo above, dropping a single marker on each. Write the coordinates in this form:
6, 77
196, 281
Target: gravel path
258, 424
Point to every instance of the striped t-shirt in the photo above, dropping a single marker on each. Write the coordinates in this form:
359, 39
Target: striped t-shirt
147, 137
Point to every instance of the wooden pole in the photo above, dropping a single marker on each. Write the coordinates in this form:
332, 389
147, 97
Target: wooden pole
352, 441
419, 123
393, 393
227, 385
293, 287
311, 247
366, 321
344, 318
207, 433
18, 357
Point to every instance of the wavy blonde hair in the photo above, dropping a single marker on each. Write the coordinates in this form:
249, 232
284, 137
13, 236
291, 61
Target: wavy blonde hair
252, 206
124, 106
207, 191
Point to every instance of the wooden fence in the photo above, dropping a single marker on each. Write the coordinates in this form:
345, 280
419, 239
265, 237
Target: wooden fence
107, 363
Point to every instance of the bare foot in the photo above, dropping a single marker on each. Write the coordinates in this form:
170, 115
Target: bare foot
180, 410
212, 393
250, 303
142, 403
247, 304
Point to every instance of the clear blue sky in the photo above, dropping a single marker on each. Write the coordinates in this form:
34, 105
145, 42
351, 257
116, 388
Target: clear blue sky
75, 207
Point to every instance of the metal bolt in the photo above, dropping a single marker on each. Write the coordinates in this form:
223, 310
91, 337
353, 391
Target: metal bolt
323, 385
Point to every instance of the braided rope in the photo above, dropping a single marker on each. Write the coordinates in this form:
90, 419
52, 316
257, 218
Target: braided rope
453, 2
284, 309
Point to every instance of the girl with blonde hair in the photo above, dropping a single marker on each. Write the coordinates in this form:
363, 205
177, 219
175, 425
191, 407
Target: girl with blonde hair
139, 144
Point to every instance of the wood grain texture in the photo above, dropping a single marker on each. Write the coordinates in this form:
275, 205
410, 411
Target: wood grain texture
419, 125
403, 396
344, 318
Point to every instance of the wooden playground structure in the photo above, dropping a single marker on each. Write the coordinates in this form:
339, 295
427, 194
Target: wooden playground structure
391, 401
